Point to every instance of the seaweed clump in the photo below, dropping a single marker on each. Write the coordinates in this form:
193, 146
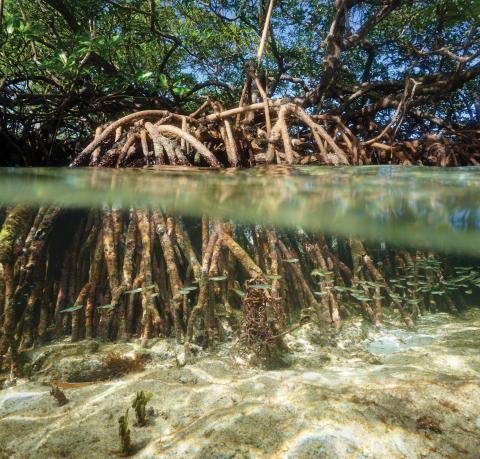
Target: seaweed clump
117, 364
259, 332
59, 396
429, 424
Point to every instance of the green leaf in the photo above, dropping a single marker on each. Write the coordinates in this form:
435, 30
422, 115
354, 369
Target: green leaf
135, 290
163, 82
63, 57
261, 286
239, 292
144, 76
274, 277
180, 90
106, 306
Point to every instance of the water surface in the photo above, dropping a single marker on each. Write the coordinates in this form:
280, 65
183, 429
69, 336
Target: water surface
434, 207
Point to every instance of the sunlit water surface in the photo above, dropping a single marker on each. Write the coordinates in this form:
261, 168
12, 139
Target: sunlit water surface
434, 207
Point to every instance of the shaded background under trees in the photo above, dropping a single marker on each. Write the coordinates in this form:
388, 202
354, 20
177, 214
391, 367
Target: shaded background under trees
402, 68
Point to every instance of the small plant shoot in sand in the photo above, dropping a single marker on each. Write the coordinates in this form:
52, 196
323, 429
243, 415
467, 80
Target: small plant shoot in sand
124, 434
139, 404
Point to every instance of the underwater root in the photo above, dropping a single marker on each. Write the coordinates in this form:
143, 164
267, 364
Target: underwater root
113, 274
268, 132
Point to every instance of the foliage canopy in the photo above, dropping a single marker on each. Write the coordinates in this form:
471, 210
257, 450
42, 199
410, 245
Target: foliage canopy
69, 65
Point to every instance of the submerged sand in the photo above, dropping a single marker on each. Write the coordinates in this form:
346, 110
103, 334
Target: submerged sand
369, 393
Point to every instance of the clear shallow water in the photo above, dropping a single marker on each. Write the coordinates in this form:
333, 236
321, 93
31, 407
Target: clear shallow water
348, 240
415, 206
420, 401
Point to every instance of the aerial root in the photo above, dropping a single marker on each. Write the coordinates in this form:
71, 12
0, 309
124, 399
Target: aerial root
159, 137
141, 274
259, 133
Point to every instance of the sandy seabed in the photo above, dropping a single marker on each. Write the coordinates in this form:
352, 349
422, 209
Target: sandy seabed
374, 393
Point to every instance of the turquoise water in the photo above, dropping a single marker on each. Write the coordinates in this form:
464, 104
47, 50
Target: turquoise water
432, 208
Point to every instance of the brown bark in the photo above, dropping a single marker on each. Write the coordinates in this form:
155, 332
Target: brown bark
172, 270
15, 225
150, 312
244, 259
203, 293
321, 314
95, 272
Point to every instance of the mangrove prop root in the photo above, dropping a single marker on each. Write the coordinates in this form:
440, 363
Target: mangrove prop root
14, 227
203, 292
120, 274
284, 130
172, 270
